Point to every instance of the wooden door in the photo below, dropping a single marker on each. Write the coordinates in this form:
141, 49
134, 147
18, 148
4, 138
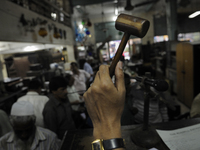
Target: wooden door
184, 67
180, 69
188, 75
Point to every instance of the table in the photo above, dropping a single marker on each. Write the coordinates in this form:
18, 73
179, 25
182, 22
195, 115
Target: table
81, 139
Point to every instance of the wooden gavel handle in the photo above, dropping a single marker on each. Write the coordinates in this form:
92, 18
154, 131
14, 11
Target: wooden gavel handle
119, 52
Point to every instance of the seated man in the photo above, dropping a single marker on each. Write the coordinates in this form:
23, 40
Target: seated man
85, 65
26, 136
81, 78
57, 111
129, 111
74, 98
38, 101
76, 101
157, 109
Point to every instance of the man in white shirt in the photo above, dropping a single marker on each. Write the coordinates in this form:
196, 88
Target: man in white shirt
87, 67
74, 98
81, 78
38, 101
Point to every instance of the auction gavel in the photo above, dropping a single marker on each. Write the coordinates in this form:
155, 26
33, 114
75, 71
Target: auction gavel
130, 25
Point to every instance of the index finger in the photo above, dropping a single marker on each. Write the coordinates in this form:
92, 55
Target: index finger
104, 74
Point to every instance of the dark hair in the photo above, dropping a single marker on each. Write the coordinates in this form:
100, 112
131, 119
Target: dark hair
68, 77
57, 82
81, 63
34, 84
74, 64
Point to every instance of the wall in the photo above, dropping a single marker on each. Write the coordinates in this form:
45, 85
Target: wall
2, 67
70, 52
150, 34
11, 29
109, 18
185, 24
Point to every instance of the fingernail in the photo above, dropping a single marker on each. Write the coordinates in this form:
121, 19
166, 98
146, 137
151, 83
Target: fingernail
120, 64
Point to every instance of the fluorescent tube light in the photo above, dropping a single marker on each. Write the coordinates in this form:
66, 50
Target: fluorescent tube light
116, 11
194, 14
114, 18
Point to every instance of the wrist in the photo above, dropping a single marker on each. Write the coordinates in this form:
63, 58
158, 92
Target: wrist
110, 144
107, 131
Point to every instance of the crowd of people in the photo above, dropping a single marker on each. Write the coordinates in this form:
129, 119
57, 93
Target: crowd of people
40, 121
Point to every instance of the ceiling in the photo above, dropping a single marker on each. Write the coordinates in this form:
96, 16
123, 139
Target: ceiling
94, 8
106, 7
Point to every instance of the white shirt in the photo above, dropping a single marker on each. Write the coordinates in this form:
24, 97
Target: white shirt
38, 102
89, 69
79, 82
73, 96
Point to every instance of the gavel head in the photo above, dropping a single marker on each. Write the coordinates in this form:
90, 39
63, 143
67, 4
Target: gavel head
132, 25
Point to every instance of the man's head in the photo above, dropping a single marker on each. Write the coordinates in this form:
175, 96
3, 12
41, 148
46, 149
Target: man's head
35, 85
58, 87
90, 59
74, 67
70, 79
22, 119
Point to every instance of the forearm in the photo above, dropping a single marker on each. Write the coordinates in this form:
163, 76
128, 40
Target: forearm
107, 131
105, 102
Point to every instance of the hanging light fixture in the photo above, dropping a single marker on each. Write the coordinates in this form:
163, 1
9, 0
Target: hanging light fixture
196, 8
194, 14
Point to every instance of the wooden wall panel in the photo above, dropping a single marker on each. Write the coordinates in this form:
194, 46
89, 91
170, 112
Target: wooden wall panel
188, 76
179, 68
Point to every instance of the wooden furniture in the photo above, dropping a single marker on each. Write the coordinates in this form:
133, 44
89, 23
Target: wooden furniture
188, 72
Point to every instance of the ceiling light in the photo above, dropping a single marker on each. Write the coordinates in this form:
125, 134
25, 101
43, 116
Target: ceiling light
81, 26
78, 6
116, 11
53, 15
30, 48
114, 18
194, 14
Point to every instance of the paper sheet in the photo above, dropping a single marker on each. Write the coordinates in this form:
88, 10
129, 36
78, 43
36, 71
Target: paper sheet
187, 138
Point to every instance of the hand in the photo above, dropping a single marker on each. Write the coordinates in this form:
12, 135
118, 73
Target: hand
105, 102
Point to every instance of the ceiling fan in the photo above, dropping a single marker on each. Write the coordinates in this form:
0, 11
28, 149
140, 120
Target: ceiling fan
129, 7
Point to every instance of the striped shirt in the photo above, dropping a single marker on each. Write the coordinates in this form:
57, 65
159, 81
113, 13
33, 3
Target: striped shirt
44, 140
157, 109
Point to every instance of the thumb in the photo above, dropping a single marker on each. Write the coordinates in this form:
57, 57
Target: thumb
119, 77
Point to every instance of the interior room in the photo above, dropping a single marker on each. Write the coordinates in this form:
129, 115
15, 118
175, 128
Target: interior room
159, 42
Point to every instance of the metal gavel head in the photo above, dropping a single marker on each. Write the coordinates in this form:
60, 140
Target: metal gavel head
132, 25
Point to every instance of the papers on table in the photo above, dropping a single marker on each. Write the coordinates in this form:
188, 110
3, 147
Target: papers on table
187, 138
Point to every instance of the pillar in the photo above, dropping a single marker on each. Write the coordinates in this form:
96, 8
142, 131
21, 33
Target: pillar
171, 13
